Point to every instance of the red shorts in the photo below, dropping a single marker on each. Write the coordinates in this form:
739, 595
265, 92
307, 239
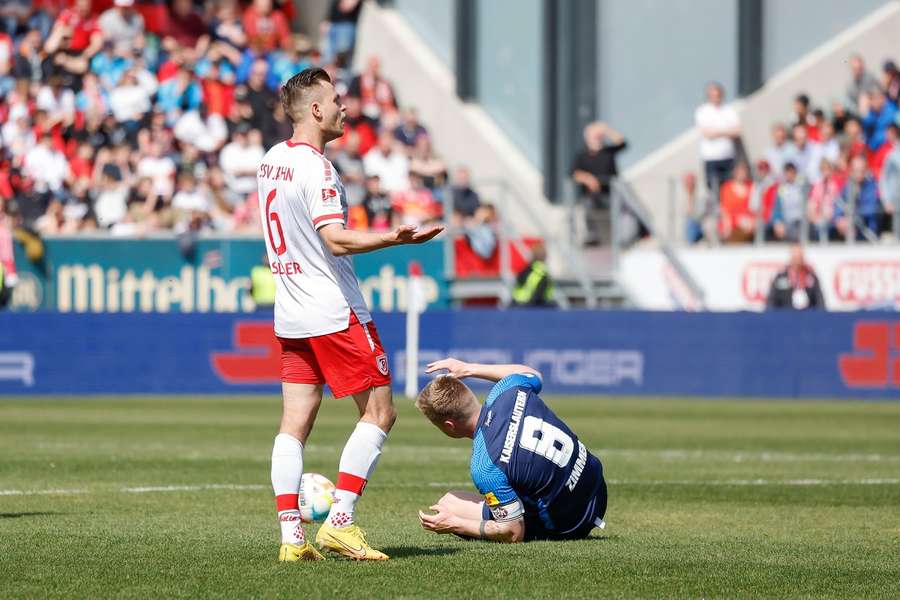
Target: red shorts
349, 361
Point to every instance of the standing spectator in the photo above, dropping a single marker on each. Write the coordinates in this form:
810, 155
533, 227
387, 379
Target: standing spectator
720, 127
889, 183
797, 286
778, 153
373, 90
860, 194
877, 158
765, 192
790, 206
533, 284
390, 164
339, 31
736, 220
409, 130
73, 41
266, 27
593, 170
876, 112
823, 197
465, 199
801, 111
121, 23
861, 81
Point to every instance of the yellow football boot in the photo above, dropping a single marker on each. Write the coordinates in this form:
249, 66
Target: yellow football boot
347, 541
297, 552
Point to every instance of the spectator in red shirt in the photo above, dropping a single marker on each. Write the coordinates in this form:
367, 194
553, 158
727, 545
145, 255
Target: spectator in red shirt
362, 125
416, 205
877, 158
854, 140
266, 28
376, 93
73, 41
736, 221
822, 197
184, 24
765, 191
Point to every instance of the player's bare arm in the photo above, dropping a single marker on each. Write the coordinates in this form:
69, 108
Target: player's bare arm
444, 521
341, 242
461, 370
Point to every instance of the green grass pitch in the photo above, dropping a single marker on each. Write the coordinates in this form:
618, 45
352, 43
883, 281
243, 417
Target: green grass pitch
151, 497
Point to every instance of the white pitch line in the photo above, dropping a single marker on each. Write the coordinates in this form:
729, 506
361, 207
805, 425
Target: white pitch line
452, 484
764, 456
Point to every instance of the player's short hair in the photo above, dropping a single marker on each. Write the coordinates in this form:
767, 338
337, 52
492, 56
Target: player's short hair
295, 92
445, 397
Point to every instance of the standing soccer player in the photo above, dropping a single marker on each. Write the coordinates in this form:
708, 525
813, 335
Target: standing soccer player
321, 319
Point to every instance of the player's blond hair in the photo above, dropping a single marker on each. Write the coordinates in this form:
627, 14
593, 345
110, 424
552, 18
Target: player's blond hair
445, 397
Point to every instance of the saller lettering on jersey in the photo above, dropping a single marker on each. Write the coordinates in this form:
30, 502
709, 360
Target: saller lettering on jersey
291, 268
274, 173
578, 468
513, 432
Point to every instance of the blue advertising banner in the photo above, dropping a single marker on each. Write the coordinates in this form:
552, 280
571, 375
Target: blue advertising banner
159, 275
788, 355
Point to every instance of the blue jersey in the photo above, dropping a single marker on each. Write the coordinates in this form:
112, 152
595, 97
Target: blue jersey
528, 463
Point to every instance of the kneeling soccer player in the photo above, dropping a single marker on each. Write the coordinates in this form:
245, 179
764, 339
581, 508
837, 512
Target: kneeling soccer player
537, 480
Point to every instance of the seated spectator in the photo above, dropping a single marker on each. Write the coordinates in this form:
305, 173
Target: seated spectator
73, 41
379, 209
802, 153
465, 199
121, 22
839, 117
696, 209
190, 198
129, 101
779, 152
266, 27
415, 205
111, 203
876, 113
349, 164
226, 29
409, 130
861, 81
358, 123
373, 90
185, 26
389, 163
877, 158
199, 127
854, 140
481, 231
790, 206
289, 61
889, 183
797, 286
736, 221
426, 165
802, 114
47, 167
765, 192
814, 126
859, 198
160, 169
339, 30
823, 197
57, 102
240, 160
828, 147
17, 134
890, 81
719, 127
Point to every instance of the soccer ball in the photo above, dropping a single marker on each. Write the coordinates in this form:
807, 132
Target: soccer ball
316, 497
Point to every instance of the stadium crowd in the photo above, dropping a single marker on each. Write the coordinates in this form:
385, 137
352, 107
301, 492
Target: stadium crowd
138, 118
825, 176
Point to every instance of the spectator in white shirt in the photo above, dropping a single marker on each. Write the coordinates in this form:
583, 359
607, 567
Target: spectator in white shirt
46, 166
121, 22
777, 153
111, 204
160, 169
827, 149
240, 160
18, 137
388, 163
720, 126
57, 101
198, 127
129, 100
190, 197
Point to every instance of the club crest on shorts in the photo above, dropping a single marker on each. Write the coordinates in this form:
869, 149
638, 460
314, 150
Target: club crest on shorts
381, 361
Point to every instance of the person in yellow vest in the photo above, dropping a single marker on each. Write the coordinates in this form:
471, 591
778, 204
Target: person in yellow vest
533, 284
262, 285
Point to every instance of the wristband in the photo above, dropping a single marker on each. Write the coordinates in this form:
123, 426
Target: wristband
481, 530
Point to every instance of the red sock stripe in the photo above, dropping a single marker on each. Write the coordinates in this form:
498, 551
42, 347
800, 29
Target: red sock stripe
351, 483
287, 502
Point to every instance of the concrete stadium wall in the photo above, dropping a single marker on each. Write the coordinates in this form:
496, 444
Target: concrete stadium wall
823, 74
463, 133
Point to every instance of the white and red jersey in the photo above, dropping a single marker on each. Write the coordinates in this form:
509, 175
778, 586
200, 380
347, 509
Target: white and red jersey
300, 192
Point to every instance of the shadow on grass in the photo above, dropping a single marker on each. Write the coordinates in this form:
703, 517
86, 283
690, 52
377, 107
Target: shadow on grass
19, 515
411, 551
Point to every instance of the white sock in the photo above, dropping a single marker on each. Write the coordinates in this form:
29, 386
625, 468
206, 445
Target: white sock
287, 468
358, 461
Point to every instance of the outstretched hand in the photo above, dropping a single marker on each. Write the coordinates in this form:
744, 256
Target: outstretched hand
410, 234
454, 367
